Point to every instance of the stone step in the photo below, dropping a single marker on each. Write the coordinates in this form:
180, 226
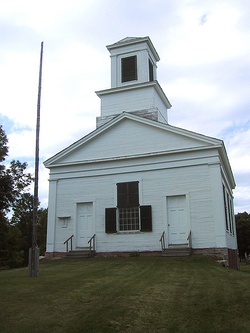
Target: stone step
77, 254
176, 252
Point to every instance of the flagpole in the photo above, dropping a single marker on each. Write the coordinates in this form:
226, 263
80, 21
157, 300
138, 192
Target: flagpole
34, 251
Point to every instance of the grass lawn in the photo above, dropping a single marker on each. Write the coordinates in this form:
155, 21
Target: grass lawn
135, 294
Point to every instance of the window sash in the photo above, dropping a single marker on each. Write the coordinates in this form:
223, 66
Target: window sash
129, 219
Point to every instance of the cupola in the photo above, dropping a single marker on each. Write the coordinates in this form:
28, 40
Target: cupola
133, 60
134, 87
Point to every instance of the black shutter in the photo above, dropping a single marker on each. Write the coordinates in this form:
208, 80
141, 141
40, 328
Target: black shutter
127, 195
133, 194
122, 194
146, 218
129, 69
110, 220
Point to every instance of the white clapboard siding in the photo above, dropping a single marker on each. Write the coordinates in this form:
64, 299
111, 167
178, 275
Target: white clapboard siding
193, 181
166, 161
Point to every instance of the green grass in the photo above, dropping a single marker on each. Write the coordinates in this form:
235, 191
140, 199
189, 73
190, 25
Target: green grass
140, 294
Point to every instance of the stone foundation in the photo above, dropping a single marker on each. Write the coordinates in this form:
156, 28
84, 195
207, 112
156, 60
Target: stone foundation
217, 252
223, 253
129, 254
55, 255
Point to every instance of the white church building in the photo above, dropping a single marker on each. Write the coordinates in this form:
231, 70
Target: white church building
137, 184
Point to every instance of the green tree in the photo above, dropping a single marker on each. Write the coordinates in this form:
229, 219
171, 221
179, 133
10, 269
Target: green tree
5, 179
42, 229
243, 233
16, 234
22, 220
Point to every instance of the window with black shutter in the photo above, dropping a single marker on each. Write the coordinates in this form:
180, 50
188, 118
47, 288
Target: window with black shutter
129, 68
151, 70
128, 206
131, 216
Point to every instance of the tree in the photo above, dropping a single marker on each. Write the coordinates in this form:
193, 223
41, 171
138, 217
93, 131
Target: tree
22, 220
5, 180
42, 229
243, 233
14, 180
16, 233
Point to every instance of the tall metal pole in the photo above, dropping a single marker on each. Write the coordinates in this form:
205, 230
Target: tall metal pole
34, 252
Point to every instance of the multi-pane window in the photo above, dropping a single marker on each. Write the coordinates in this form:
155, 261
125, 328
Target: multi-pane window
225, 208
229, 215
129, 68
129, 219
230, 207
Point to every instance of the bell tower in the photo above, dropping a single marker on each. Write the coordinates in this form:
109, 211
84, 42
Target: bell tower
134, 85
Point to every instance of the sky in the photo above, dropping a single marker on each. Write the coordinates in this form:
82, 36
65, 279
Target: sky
204, 46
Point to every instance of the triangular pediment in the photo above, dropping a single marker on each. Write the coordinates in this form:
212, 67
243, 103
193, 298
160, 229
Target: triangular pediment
134, 40
130, 136
128, 40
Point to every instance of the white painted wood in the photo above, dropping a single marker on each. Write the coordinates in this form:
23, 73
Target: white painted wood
142, 48
84, 224
180, 173
177, 220
154, 184
50, 243
136, 97
130, 138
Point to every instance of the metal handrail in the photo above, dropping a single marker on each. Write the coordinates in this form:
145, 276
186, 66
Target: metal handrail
162, 240
92, 239
189, 239
67, 243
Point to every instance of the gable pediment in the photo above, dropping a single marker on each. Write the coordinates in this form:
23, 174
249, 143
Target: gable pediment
130, 136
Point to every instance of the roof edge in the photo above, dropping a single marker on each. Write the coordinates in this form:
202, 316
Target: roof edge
134, 40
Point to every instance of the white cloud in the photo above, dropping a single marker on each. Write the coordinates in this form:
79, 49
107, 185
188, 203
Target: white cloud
238, 150
206, 34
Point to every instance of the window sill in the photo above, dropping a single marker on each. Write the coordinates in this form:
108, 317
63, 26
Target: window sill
129, 232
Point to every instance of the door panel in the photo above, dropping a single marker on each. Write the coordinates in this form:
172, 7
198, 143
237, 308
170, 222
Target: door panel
177, 219
84, 224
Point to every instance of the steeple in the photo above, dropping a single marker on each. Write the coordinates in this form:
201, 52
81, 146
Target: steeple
134, 87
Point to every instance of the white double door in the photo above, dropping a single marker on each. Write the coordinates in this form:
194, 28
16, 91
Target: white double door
177, 220
84, 224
